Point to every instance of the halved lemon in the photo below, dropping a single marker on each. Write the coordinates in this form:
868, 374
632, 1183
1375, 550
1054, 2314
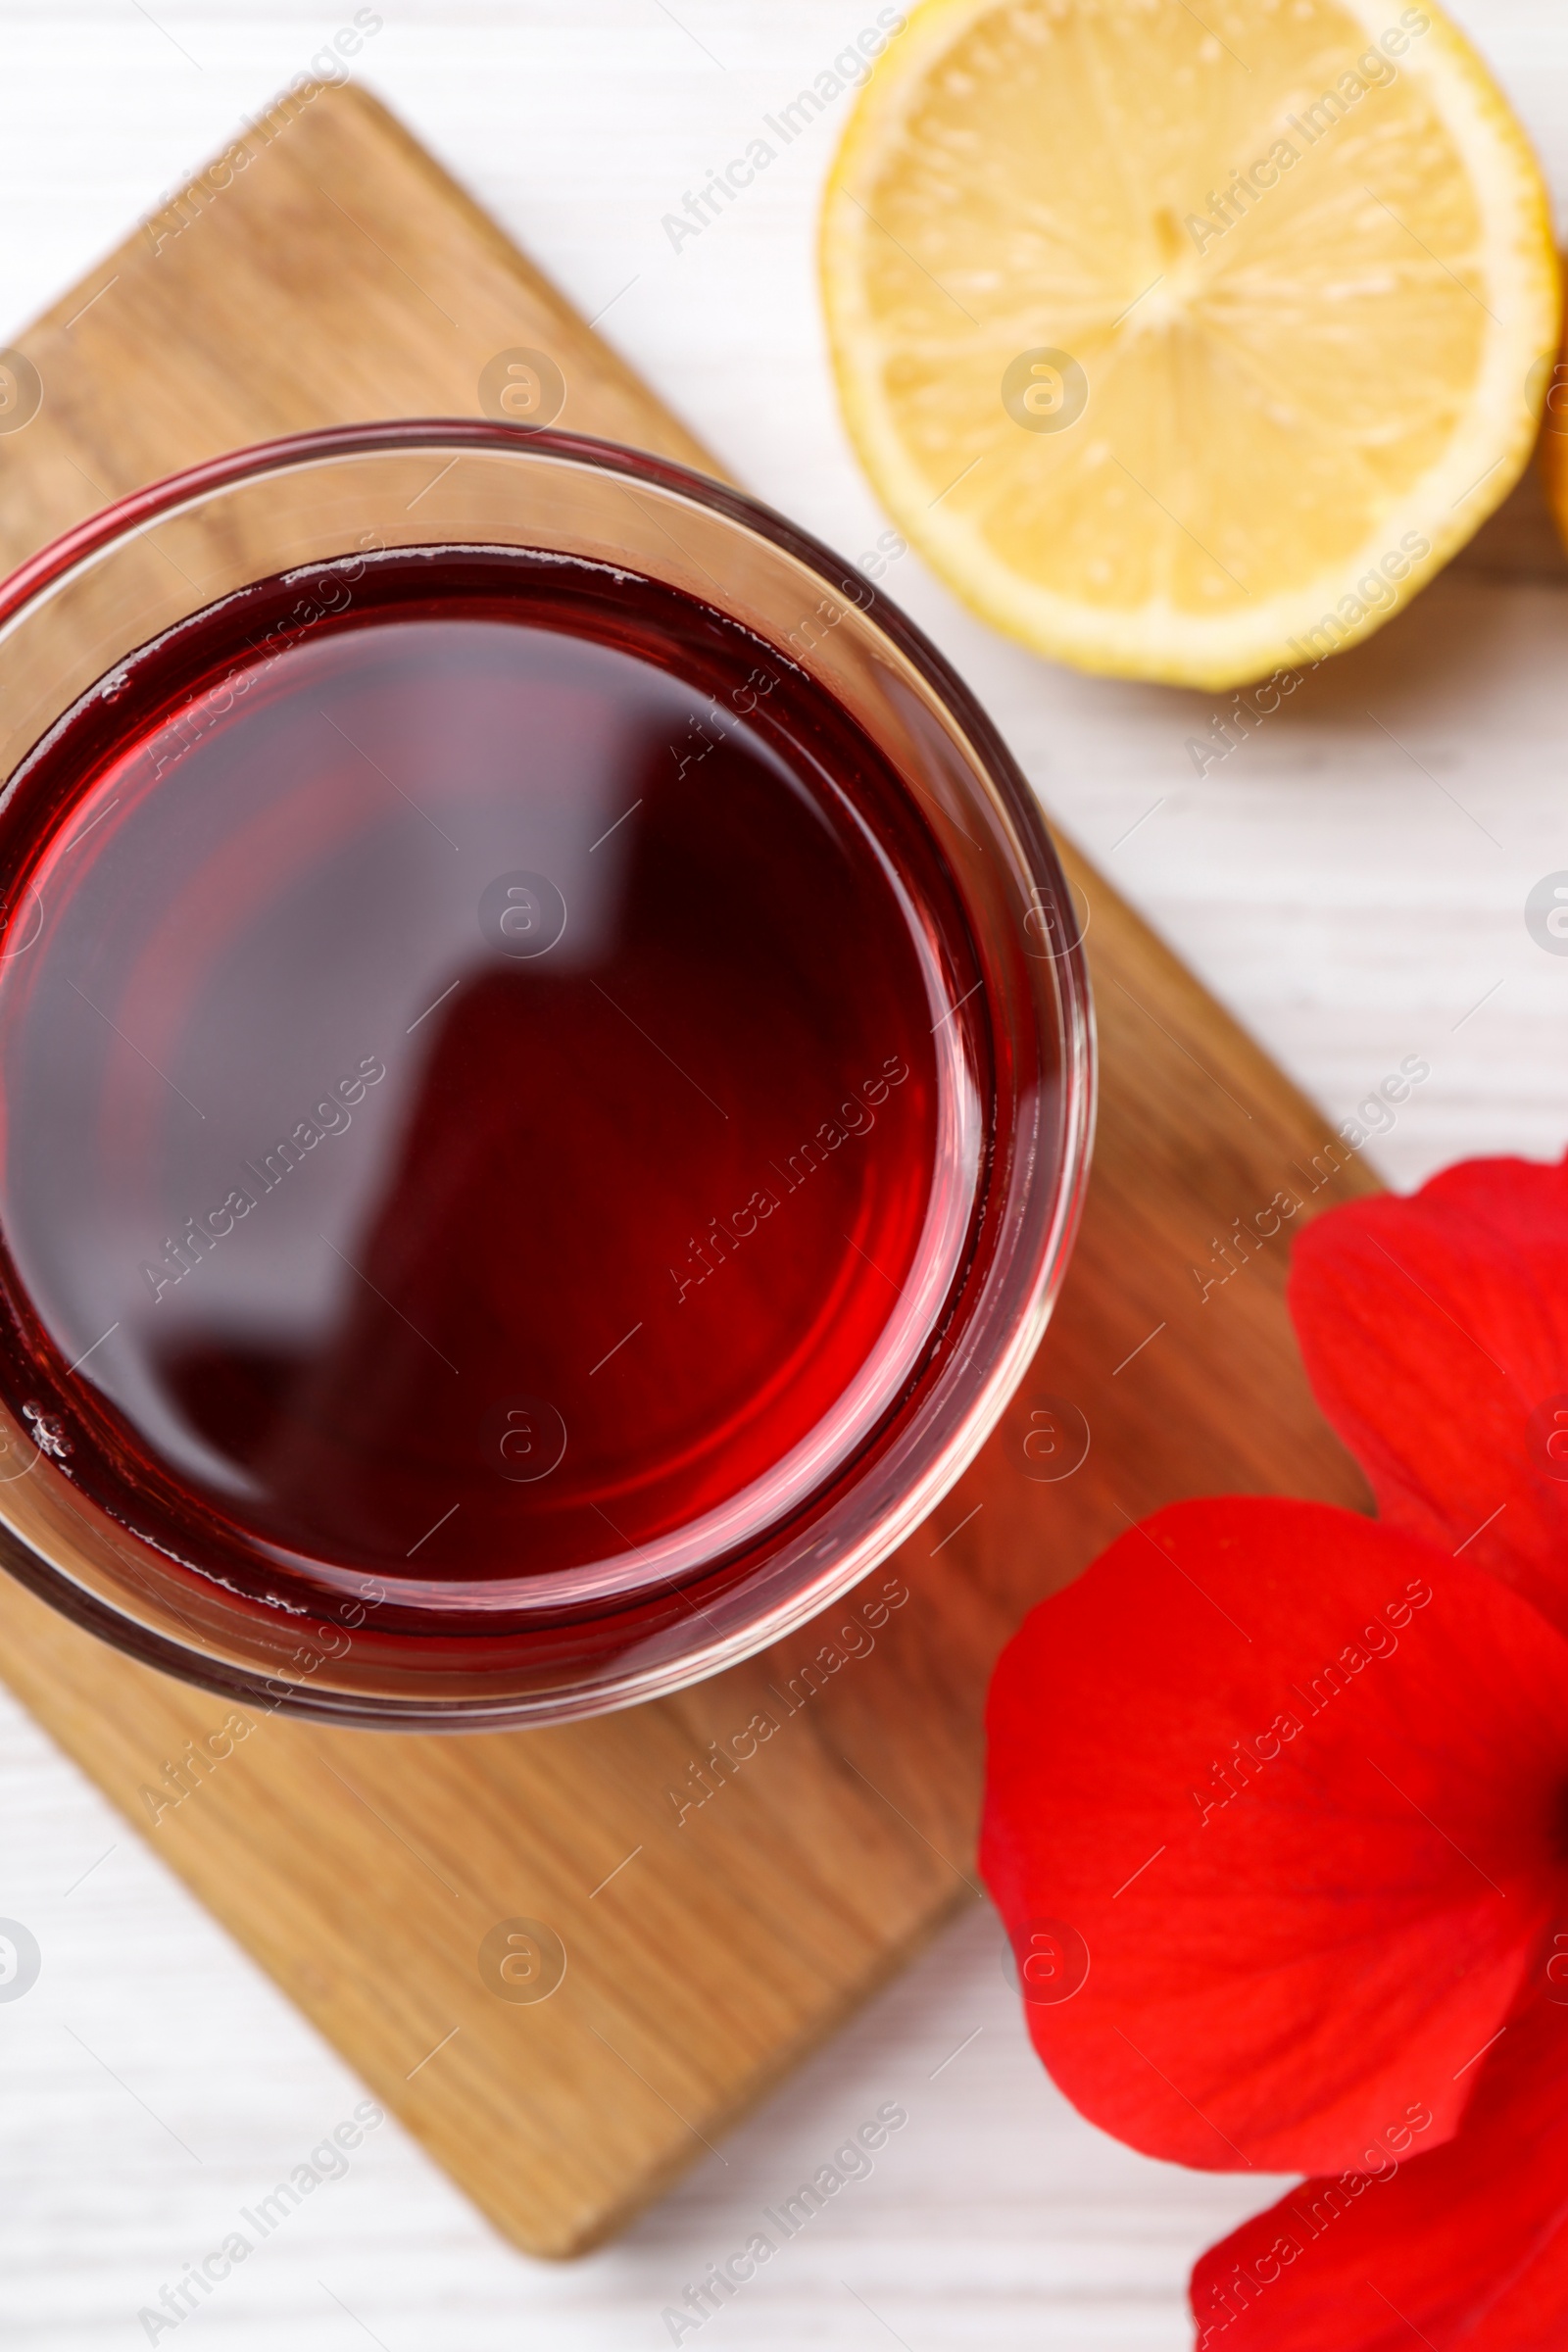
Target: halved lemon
1187, 341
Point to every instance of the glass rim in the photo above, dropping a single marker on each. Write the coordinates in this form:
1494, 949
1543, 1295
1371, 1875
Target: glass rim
1062, 1184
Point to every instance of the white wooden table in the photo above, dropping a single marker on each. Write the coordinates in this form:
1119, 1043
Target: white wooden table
1351, 903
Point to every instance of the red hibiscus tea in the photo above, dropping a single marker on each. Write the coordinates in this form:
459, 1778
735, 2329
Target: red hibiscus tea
545, 1076
484, 1110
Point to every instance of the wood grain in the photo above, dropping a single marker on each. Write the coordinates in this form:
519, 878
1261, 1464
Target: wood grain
340, 274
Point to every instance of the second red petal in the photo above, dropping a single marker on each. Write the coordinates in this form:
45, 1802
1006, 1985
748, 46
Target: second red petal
1237, 1939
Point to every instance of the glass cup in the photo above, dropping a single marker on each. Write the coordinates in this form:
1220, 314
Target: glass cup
401, 1649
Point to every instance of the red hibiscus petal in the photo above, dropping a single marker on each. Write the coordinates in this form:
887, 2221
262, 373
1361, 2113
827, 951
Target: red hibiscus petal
1266, 1969
1434, 1334
1467, 2246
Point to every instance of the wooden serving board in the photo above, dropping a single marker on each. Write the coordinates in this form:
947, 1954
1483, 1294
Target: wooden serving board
336, 274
